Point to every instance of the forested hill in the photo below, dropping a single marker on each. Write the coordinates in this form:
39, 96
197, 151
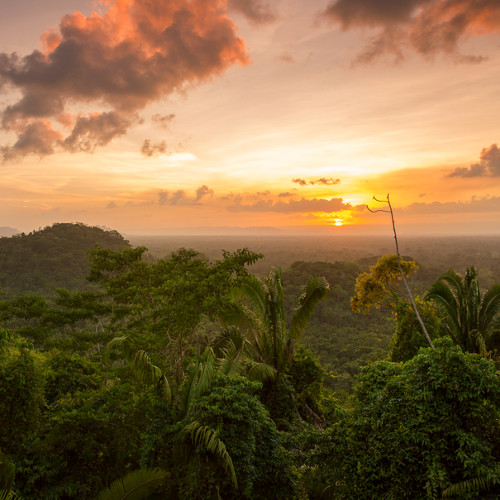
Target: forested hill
50, 258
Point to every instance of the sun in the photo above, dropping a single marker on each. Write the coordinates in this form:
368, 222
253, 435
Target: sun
338, 222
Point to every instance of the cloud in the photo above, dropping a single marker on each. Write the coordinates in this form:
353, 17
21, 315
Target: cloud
203, 191
148, 149
425, 26
475, 205
111, 205
36, 138
256, 11
179, 197
488, 166
325, 181
97, 129
120, 60
322, 180
293, 206
163, 120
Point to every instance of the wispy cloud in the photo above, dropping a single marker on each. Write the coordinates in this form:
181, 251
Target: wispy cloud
475, 205
292, 206
256, 11
149, 149
322, 181
424, 26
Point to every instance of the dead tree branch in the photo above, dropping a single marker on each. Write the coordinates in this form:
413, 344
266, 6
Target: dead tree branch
410, 294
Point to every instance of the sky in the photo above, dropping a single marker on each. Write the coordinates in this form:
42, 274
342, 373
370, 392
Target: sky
289, 116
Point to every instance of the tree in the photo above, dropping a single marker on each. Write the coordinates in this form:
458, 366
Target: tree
379, 287
268, 341
416, 429
400, 267
408, 337
161, 304
173, 445
469, 316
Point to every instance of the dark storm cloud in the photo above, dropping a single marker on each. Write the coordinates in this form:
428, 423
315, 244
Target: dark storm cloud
293, 206
426, 26
488, 166
256, 11
122, 60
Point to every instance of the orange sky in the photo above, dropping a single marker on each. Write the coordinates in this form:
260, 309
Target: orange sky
166, 116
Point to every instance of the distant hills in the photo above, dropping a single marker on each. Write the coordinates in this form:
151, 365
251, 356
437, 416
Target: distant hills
6, 231
50, 258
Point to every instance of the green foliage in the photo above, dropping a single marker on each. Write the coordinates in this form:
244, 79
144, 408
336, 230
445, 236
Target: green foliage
204, 439
340, 338
69, 373
135, 485
160, 304
7, 495
50, 258
7, 472
471, 487
417, 428
408, 337
306, 375
470, 317
268, 340
90, 439
21, 401
261, 463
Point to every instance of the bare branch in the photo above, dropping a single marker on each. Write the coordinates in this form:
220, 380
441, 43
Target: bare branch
422, 324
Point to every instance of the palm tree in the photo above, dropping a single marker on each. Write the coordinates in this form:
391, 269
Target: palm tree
198, 438
268, 342
469, 315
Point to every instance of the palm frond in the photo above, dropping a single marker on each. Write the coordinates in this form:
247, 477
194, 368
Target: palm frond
261, 372
205, 439
230, 362
474, 485
315, 290
7, 495
135, 485
164, 389
144, 370
121, 344
199, 378
253, 289
490, 307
